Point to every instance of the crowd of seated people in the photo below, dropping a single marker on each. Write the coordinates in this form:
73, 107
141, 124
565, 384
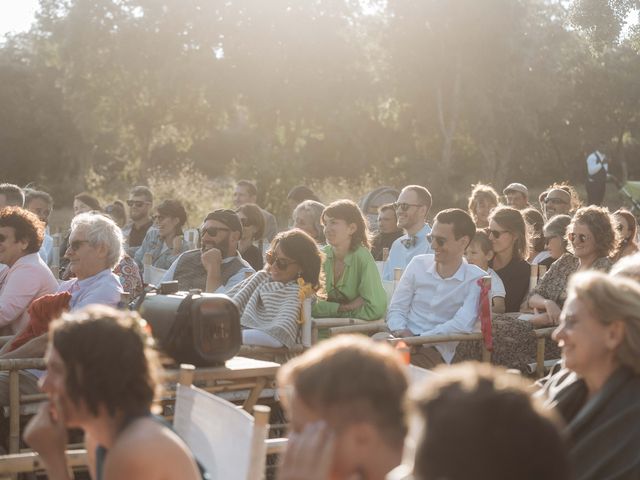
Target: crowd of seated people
330, 255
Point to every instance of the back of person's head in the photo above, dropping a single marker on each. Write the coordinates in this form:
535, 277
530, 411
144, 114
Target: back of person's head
628, 266
557, 227
512, 220
174, 209
30, 195
601, 225
299, 246
424, 195
117, 211
479, 422
142, 191
13, 194
349, 380
108, 360
249, 186
101, 230
313, 211
89, 200
612, 298
462, 222
26, 226
254, 217
300, 193
535, 220
349, 212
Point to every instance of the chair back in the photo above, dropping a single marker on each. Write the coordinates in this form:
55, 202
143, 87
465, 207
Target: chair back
151, 275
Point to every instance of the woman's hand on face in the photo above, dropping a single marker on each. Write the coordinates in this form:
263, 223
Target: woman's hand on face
309, 454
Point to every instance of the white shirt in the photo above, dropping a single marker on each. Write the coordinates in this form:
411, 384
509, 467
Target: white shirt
428, 304
497, 287
594, 166
400, 256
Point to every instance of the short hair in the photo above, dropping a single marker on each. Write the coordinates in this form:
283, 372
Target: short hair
175, 209
26, 226
628, 266
250, 186
89, 200
611, 298
116, 210
299, 246
30, 194
349, 212
481, 238
424, 195
481, 192
462, 222
108, 359
600, 223
351, 379
300, 193
101, 230
13, 194
512, 220
387, 207
557, 227
142, 191
255, 217
535, 220
464, 402
314, 209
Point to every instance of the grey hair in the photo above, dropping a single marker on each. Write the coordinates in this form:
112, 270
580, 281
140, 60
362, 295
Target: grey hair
628, 266
101, 230
557, 226
315, 209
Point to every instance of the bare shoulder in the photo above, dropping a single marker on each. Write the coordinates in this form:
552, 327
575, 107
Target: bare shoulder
148, 450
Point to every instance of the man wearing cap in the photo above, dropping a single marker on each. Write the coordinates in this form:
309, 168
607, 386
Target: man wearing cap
217, 266
517, 196
557, 202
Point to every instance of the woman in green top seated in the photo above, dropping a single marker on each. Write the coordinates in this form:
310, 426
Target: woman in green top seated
352, 282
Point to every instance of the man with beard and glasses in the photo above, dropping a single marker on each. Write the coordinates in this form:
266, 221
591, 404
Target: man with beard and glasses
140, 204
217, 266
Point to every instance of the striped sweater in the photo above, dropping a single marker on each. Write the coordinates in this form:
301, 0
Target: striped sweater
272, 307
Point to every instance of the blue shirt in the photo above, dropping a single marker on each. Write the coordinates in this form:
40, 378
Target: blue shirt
103, 288
400, 255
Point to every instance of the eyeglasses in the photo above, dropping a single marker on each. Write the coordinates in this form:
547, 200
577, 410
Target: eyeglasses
245, 222
213, 231
76, 244
405, 206
439, 240
581, 237
281, 263
496, 233
137, 203
555, 201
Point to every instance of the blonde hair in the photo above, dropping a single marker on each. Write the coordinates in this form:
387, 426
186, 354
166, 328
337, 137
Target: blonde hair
612, 298
481, 191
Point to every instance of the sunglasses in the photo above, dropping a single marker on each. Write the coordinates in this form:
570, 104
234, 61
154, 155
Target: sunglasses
76, 244
137, 203
405, 206
281, 263
496, 233
581, 237
555, 201
439, 240
213, 231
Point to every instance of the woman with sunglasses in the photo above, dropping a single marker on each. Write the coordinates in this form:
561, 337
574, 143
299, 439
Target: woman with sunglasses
165, 242
252, 231
482, 200
510, 241
591, 240
26, 276
353, 285
270, 300
597, 390
627, 225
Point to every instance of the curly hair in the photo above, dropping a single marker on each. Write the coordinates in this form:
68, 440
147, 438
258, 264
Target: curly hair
601, 225
349, 212
481, 192
512, 220
299, 246
576, 203
26, 226
108, 359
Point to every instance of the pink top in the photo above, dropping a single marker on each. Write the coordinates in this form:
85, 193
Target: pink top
28, 279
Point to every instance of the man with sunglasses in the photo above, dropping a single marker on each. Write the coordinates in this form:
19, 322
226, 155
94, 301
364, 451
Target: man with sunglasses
438, 293
217, 265
557, 202
411, 208
140, 204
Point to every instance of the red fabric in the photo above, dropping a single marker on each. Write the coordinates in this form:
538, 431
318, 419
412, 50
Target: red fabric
485, 315
42, 311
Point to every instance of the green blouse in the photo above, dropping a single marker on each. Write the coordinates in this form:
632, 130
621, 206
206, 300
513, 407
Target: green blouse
359, 279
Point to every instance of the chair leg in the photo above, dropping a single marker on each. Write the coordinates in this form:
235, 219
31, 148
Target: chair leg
540, 357
14, 411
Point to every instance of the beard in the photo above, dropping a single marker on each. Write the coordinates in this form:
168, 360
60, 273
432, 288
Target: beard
224, 246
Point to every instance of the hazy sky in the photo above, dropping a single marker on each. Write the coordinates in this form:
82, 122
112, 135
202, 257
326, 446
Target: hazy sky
16, 15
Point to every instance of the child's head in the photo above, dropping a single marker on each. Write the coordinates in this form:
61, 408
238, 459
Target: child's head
479, 252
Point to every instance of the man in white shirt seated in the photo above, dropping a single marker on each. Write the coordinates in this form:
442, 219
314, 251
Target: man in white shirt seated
438, 293
412, 208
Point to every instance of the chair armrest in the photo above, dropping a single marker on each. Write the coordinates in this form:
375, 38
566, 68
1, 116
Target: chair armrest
5, 339
7, 364
337, 322
30, 462
433, 339
371, 327
544, 332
